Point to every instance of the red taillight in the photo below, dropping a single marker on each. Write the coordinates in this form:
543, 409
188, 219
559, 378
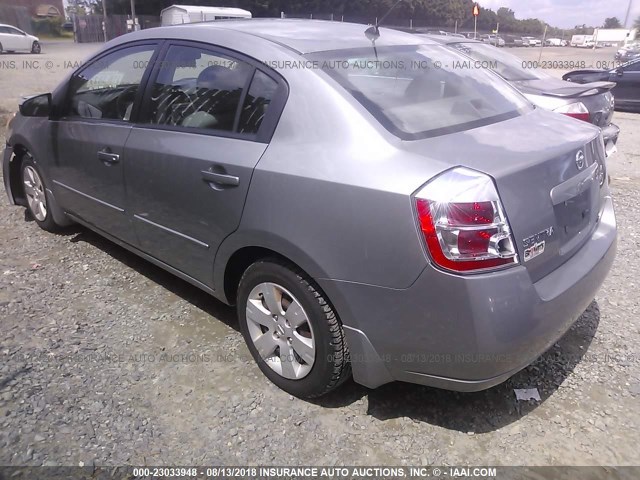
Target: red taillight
475, 213
575, 110
580, 116
464, 235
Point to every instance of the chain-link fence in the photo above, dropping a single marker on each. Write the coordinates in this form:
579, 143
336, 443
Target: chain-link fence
418, 26
94, 28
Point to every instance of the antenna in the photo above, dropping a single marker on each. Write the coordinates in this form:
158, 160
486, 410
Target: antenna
373, 32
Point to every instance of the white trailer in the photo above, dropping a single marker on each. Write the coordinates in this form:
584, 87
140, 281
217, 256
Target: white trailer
614, 36
582, 41
179, 14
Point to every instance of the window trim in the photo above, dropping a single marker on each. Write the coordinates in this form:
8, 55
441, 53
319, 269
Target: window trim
66, 100
271, 120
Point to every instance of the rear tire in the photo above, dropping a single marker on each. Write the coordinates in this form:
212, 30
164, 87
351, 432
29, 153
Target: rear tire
1, 51
283, 313
35, 191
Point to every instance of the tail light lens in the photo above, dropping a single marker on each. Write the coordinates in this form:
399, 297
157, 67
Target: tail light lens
575, 110
463, 223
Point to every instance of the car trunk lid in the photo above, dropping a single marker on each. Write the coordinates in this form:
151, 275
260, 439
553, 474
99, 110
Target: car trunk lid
546, 169
596, 96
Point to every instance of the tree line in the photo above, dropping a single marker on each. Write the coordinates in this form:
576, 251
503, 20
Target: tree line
436, 13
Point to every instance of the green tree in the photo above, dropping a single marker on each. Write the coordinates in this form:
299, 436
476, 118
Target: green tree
612, 22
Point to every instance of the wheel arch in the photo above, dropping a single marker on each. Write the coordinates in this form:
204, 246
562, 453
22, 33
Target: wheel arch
241, 250
20, 148
15, 167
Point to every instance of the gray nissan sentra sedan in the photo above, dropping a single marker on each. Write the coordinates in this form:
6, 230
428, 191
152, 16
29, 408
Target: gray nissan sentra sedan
370, 207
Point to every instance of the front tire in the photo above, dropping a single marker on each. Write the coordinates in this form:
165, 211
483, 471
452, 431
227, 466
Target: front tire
36, 48
292, 332
35, 191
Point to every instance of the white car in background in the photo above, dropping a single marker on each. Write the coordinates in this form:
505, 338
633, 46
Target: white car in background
533, 41
13, 39
553, 42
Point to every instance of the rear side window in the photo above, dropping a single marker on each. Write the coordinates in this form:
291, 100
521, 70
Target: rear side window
261, 93
424, 90
200, 89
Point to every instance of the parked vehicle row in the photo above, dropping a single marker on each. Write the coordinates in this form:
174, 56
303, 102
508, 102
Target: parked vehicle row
427, 225
628, 53
502, 40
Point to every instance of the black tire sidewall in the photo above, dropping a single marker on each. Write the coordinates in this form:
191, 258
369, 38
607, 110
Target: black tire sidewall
33, 48
48, 223
320, 376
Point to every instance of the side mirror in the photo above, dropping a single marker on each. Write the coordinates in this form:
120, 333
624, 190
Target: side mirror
619, 71
38, 106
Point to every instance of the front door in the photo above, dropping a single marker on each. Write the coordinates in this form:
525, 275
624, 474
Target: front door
195, 156
90, 159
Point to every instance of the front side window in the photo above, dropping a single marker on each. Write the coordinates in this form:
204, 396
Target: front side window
420, 91
107, 88
198, 88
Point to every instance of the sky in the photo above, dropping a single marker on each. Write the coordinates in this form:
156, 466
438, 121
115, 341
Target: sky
568, 13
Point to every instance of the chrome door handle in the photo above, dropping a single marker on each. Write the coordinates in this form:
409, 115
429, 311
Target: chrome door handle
108, 158
220, 178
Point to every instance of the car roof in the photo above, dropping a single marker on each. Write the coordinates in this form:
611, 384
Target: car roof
12, 26
302, 36
446, 39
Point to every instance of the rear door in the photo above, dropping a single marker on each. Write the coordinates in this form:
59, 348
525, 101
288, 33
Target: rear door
208, 117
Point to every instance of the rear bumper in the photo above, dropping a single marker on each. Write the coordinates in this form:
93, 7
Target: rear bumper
610, 134
6, 165
469, 333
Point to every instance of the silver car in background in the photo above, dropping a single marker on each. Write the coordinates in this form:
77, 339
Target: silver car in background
368, 207
590, 102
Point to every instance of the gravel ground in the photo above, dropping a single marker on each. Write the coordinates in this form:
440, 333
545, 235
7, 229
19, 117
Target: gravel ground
108, 360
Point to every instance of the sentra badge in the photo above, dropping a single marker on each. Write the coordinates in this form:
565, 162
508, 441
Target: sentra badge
534, 245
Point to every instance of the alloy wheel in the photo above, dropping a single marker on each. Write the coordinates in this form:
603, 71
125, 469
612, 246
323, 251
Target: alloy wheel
36, 196
280, 330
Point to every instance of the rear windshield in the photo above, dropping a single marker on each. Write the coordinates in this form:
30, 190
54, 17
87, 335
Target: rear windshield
505, 64
421, 91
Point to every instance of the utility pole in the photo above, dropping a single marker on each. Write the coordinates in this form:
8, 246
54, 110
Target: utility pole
133, 15
626, 18
544, 37
476, 12
104, 20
